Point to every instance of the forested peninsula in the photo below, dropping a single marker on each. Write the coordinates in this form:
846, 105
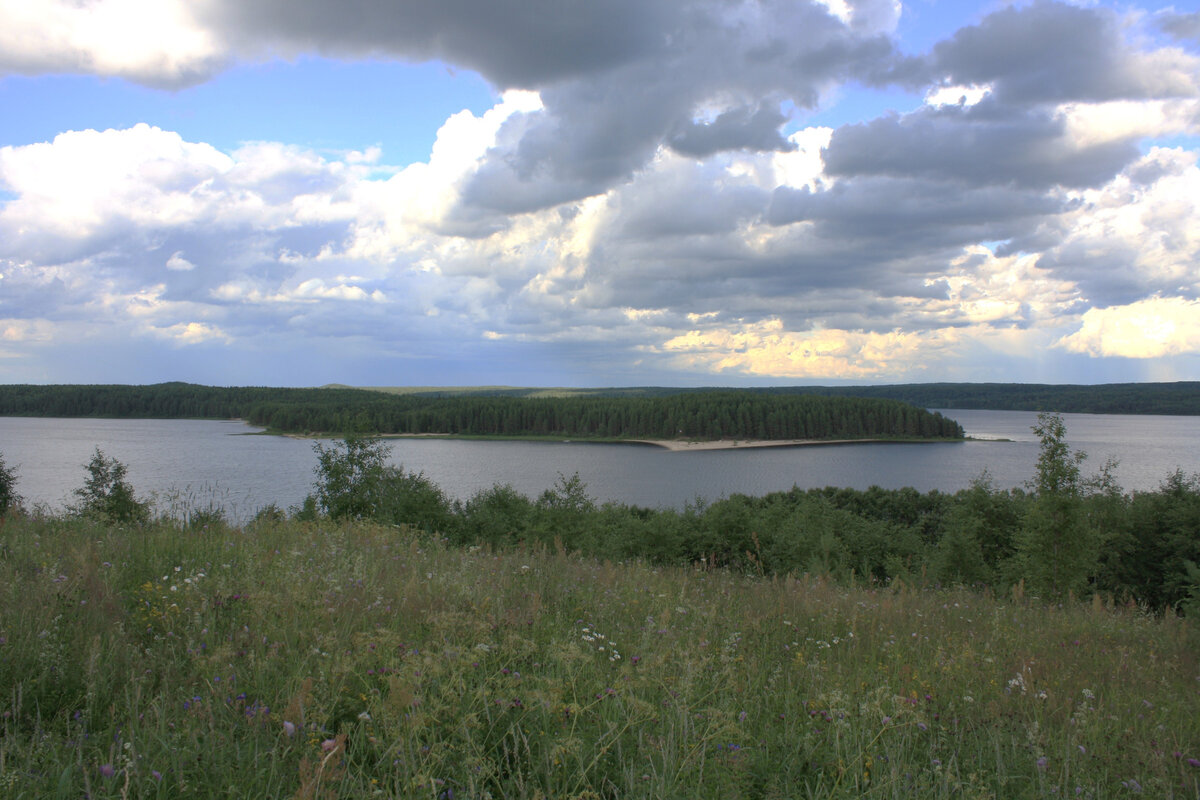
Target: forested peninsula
1180, 398
692, 415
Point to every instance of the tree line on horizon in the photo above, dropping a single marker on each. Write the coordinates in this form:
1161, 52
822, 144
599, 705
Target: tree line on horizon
718, 414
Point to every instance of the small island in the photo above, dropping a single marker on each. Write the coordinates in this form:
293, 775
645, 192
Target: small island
674, 419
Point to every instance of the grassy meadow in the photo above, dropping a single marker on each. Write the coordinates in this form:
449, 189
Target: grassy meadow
292, 659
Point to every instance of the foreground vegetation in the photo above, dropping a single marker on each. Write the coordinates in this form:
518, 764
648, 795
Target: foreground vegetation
347, 660
804, 645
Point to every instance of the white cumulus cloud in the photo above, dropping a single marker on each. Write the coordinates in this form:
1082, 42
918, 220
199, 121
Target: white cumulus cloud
157, 42
1151, 328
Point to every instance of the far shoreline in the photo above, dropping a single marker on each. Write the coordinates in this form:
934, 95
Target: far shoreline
681, 446
672, 445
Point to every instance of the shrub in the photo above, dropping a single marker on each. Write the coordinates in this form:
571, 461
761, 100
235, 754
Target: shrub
354, 481
499, 515
8, 482
107, 495
350, 477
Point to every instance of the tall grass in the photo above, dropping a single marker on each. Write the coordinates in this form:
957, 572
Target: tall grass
316, 660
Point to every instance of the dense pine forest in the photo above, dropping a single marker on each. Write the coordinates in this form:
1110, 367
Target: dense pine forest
707, 415
1180, 398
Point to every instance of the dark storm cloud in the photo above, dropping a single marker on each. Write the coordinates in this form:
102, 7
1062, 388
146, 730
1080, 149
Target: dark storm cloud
1106, 274
871, 242
1052, 52
1181, 26
739, 128
652, 214
596, 130
514, 43
911, 212
977, 145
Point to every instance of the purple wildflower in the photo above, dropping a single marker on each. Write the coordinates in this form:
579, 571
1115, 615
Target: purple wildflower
107, 770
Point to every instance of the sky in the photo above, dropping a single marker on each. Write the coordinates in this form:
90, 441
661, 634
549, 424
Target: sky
601, 193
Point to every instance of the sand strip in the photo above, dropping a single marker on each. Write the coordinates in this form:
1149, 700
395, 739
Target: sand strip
679, 445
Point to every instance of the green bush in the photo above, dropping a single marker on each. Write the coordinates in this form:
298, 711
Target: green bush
107, 495
496, 516
354, 481
8, 482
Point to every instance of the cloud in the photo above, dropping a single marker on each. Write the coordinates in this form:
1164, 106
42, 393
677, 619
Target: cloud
977, 145
191, 333
646, 196
1151, 328
1053, 52
766, 348
1180, 25
155, 42
738, 128
178, 263
1135, 237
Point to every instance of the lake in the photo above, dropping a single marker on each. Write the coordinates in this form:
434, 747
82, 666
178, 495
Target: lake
197, 462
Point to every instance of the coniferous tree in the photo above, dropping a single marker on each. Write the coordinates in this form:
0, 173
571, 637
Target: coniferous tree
1056, 548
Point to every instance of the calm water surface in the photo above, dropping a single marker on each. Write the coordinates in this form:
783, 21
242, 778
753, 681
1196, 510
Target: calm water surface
194, 463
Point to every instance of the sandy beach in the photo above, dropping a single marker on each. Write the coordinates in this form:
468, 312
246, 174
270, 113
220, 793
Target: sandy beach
733, 444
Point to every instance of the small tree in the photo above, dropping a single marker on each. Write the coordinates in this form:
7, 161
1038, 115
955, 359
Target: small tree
354, 481
106, 493
1056, 548
350, 477
8, 483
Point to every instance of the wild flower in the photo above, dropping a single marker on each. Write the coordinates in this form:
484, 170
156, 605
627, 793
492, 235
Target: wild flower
107, 771
289, 728
603, 643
